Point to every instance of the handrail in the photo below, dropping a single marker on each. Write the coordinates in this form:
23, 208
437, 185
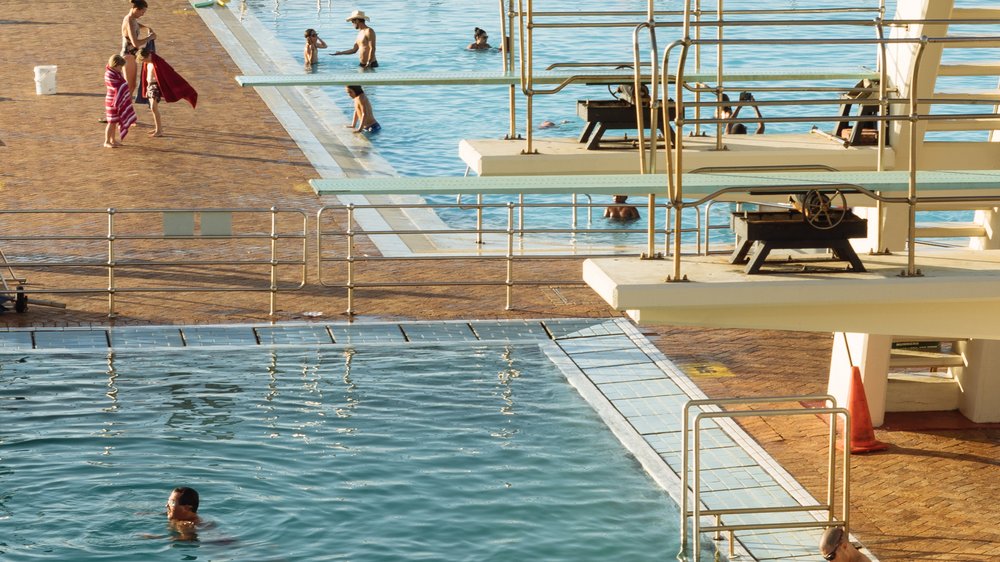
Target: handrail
115, 234
498, 236
712, 412
674, 184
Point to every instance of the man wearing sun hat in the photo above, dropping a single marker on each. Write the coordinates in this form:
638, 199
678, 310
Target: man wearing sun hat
364, 45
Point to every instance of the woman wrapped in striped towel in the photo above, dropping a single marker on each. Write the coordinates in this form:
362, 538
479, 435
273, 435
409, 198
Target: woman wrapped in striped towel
117, 103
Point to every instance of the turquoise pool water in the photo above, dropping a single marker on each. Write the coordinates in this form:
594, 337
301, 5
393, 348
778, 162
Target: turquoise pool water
422, 126
465, 451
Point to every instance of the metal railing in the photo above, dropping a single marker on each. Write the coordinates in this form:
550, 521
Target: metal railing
507, 245
121, 242
711, 411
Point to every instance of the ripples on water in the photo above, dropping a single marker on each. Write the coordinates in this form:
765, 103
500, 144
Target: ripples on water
471, 453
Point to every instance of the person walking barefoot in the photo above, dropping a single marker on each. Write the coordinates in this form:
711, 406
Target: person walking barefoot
118, 108
152, 92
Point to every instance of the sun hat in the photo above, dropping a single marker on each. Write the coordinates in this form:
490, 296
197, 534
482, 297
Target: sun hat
358, 15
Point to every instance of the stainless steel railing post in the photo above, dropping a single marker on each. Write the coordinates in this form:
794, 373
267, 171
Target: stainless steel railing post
350, 259
510, 256
274, 262
111, 263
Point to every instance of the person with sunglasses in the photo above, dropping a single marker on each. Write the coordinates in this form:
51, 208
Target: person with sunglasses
835, 546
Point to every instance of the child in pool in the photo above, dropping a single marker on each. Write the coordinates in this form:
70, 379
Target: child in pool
313, 44
363, 120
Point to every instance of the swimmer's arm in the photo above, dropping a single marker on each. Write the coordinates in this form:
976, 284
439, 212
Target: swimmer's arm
760, 129
350, 51
320, 44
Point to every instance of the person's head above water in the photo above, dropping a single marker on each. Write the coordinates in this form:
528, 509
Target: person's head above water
183, 504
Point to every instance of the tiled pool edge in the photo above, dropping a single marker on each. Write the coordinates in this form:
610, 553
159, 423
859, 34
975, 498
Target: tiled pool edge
768, 545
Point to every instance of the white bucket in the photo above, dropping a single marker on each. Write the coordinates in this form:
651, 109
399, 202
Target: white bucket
45, 79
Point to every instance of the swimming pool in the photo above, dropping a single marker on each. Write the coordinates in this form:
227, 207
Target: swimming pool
423, 125
467, 450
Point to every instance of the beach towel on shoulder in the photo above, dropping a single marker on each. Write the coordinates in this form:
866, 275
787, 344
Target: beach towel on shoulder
173, 86
117, 103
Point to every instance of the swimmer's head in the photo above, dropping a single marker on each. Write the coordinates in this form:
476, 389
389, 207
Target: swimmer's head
183, 504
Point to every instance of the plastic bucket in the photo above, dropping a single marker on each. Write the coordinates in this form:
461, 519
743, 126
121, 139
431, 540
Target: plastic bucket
45, 79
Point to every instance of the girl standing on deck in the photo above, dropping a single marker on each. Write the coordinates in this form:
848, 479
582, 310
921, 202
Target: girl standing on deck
118, 108
363, 120
131, 42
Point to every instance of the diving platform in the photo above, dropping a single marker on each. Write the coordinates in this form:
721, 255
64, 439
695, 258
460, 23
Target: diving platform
547, 77
492, 157
953, 183
957, 295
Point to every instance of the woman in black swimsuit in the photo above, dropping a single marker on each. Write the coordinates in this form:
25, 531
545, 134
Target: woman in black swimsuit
131, 42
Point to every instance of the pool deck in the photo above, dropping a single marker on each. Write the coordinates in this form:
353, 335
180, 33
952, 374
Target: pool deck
932, 496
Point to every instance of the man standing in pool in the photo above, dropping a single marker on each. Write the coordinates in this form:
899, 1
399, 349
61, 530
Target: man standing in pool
364, 44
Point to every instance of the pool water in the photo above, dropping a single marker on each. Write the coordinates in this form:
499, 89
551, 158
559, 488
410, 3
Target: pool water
422, 125
446, 452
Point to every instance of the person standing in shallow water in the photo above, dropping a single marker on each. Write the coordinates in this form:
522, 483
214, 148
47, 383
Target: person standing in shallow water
364, 44
313, 44
479, 38
363, 120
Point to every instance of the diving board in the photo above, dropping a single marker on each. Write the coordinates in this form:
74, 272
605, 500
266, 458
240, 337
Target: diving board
958, 295
548, 77
889, 183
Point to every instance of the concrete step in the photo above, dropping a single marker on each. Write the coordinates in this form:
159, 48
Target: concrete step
915, 393
978, 124
976, 13
950, 230
974, 95
973, 68
913, 359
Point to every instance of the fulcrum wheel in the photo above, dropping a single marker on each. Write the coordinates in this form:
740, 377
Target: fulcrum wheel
824, 210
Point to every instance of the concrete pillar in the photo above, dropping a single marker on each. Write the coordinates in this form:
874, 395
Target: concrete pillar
900, 57
894, 222
980, 380
871, 353
990, 219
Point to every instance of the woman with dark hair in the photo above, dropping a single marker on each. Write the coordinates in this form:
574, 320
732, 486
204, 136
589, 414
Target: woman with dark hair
131, 43
479, 40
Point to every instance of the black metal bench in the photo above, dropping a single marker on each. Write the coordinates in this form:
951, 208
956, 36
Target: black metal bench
602, 115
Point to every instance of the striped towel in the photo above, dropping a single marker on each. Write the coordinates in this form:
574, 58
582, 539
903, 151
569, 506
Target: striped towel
117, 103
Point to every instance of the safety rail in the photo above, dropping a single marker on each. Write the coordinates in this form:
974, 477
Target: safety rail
912, 100
711, 410
507, 245
121, 242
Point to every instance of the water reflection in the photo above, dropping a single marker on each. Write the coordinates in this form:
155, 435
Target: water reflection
505, 389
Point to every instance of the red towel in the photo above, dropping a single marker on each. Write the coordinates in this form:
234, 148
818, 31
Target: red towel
117, 103
173, 86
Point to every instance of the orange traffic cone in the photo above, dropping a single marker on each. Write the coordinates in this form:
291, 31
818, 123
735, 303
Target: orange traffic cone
862, 434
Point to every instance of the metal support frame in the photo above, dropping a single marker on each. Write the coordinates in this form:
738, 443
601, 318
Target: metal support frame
712, 411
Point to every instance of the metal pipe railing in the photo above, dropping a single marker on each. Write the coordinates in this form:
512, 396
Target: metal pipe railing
711, 410
116, 235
